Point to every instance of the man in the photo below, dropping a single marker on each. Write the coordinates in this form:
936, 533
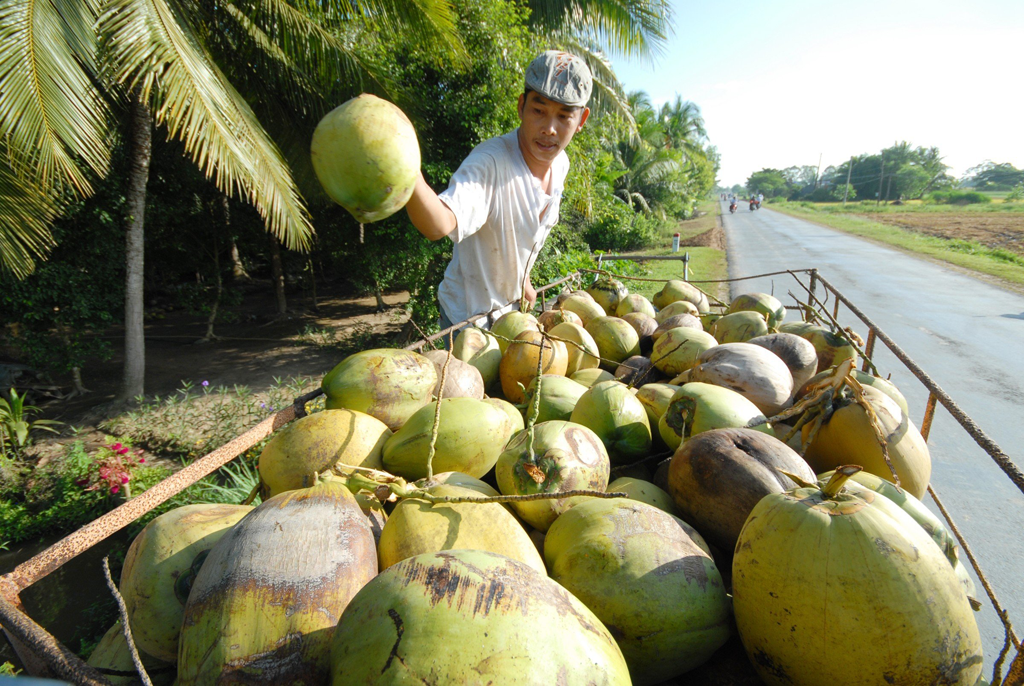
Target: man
503, 200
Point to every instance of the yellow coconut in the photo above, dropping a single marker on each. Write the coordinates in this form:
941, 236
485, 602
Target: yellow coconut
519, 363
515, 417
584, 306
608, 292
417, 526
470, 435
635, 303
313, 444
848, 437
591, 377
680, 290
384, 383
158, 557
644, 492
675, 309
112, 654
582, 355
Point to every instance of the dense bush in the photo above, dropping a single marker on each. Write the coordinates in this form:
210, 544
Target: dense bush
955, 197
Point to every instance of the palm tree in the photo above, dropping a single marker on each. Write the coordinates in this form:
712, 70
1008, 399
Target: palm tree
162, 61
683, 126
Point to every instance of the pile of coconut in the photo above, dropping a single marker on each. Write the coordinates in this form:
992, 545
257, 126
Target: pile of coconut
619, 490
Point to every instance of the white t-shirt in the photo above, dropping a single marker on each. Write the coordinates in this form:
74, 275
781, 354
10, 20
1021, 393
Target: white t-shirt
503, 218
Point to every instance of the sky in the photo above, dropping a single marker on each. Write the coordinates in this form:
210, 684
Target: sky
786, 82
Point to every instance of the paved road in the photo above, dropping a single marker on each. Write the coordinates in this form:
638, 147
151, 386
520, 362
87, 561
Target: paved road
966, 334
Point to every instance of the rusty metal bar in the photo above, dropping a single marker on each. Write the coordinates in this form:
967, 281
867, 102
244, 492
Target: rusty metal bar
55, 655
642, 258
835, 310
869, 349
929, 415
1015, 676
980, 437
809, 312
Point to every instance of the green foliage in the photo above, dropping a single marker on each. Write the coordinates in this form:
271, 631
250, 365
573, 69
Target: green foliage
1016, 195
7, 669
832, 194
990, 176
772, 182
615, 233
955, 197
16, 426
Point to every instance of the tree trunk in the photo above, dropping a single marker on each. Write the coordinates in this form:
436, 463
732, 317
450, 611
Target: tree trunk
133, 381
381, 305
238, 272
312, 283
278, 272
216, 302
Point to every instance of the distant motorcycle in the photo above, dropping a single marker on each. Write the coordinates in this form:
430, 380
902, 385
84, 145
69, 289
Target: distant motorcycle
732, 207
753, 205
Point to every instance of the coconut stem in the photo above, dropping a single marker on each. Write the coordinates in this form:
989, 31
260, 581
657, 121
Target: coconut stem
840, 477
535, 411
437, 410
125, 625
518, 498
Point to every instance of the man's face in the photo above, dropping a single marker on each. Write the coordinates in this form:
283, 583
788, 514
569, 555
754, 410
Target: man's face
547, 126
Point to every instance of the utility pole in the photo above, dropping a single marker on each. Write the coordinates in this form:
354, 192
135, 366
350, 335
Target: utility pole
818, 173
881, 176
846, 191
888, 188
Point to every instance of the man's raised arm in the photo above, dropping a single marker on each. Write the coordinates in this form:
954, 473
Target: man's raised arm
428, 214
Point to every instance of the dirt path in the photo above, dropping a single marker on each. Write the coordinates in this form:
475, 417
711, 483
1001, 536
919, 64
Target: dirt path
253, 349
992, 230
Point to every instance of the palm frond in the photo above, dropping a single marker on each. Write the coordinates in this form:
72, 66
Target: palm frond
25, 216
50, 111
635, 28
155, 50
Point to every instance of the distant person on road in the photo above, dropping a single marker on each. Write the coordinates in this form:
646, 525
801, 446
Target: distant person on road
504, 199
760, 199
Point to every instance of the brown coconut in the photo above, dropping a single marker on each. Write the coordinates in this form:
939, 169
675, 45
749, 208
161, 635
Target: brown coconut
462, 380
717, 477
797, 353
754, 372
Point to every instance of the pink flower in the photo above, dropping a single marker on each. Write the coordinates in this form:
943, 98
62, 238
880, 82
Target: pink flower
141, 460
122, 451
115, 489
124, 479
116, 447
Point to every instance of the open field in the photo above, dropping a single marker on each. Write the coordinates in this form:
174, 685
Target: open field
980, 238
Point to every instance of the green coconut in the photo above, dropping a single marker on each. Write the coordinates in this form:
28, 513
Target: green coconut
470, 435
264, 605
558, 396
590, 377
655, 398
674, 322
697, 407
367, 158
635, 303
616, 340
612, 412
158, 557
471, 617
677, 350
608, 293
582, 355
739, 327
674, 290
834, 586
668, 436
565, 457
417, 526
515, 417
655, 588
675, 309
480, 349
583, 305
112, 654
511, 324
384, 383
832, 348
644, 491
316, 443
768, 305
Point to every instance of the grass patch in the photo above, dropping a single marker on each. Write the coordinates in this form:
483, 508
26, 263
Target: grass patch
971, 255
997, 206
705, 263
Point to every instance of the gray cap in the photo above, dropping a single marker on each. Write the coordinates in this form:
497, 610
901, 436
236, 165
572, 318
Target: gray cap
561, 77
